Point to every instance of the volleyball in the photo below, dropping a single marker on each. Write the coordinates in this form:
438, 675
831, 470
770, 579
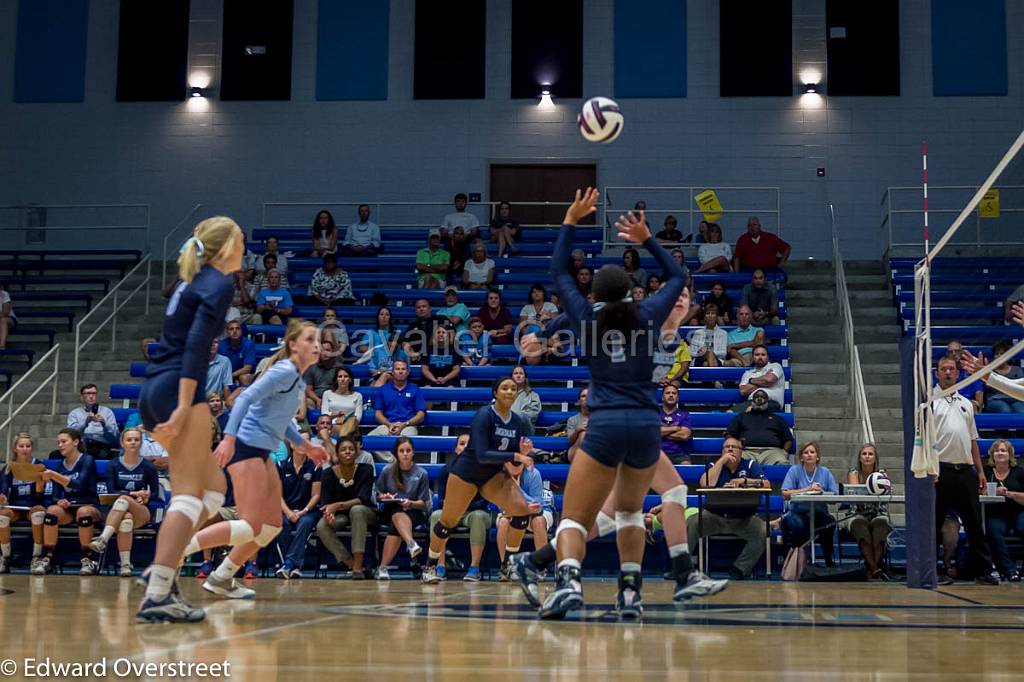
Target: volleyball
600, 120
879, 484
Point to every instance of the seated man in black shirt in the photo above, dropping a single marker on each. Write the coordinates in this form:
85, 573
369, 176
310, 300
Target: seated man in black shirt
418, 335
765, 436
732, 471
671, 233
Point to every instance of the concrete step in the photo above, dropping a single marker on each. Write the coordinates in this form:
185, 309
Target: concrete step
827, 281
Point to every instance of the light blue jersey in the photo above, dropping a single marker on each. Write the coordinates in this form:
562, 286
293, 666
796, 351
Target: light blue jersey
262, 414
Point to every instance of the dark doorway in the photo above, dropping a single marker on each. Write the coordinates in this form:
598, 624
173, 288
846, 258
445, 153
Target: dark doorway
519, 183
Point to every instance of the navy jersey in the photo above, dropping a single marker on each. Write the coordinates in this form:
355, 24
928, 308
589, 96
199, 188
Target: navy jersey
81, 489
19, 493
297, 486
620, 374
493, 440
143, 476
195, 316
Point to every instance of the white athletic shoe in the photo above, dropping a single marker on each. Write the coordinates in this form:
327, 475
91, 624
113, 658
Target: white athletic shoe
414, 549
697, 585
89, 567
126, 571
381, 573
98, 545
227, 588
40, 565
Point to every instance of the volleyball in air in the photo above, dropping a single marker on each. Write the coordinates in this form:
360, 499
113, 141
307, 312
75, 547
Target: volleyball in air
879, 484
600, 120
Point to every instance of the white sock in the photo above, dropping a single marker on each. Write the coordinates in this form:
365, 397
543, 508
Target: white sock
5, 549
126, 557
629, 567
191, 548
37, 550
575, 563
511, 550
411, 545
676, 550
160, 580
108, 532
226, 570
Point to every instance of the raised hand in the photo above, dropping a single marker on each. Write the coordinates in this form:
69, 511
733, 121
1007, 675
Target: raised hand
633, 228
972, 364
583, 205
1018, 312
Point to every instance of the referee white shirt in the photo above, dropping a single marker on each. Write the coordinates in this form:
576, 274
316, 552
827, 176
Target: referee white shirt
954, 428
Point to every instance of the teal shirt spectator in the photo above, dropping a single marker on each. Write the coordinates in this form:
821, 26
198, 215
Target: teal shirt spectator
458, 310
747, 335
280, 296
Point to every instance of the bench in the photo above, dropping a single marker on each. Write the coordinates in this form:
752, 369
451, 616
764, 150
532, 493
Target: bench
25, 353
970, 334
67, 315
24, 281
528, 233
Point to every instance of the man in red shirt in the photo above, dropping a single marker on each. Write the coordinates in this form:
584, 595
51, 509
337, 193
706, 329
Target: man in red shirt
757, 249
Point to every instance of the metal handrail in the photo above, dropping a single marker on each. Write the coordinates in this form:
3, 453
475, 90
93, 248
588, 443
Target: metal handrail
184, 221
858, 392
887, 222
59, 228
8, 397
112, 317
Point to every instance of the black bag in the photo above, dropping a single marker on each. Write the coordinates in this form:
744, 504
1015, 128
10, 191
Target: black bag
836, 574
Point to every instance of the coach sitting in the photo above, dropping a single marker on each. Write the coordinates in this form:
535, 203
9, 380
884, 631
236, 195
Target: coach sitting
401, 409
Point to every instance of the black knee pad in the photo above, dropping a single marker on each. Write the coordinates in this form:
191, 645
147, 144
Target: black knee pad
85, 522
442, 531
50, 519
519, 522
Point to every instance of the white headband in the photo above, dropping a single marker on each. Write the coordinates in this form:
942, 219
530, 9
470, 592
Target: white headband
200, 247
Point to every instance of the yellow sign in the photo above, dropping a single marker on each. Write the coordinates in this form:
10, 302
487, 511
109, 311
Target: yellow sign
709, 204
989, 206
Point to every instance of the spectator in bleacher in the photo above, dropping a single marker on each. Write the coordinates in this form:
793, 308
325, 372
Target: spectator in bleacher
402, 493
974, 391
676, 427
538, 311
671, 233
584, 279
577, 424
138, 484
261, 280
722, 300
995, 400
420, 332
460, 217
496, 318
332, 329
762, 297
432, 262
695, 315
653, 284
218, 373
401, 407
18, 492
274, 304
475, 344
702, 234
330, 284
441, 365
1007, 517
342, 403
217, 409
631, 264
458, 248
454, 310
75, 500
1015, 297
732, 470
281, 263
325, 235
640, 205
527, 402
8, 320
715, 255
300, 497
577, 260
504, 230
382, 348
809, 476
638, 293
476, 517
870, 524
743, 338
363, 237
672, 358
478, 272
765, 375
244, 301
756, 249
95, 422
321, 375
709, 344
346, 500
765, 436
680, 258
542, 509
241, 351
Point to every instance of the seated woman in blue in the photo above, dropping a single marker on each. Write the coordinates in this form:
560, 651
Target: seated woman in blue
260, 420
402, 492
138, 483
382, 348
25, 497
75, 500
808, 477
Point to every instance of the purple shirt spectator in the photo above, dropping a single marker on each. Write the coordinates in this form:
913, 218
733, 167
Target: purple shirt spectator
677, 450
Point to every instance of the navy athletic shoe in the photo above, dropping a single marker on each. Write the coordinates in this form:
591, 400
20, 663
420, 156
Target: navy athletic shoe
528, 576
170, 610
568, 595
628, 602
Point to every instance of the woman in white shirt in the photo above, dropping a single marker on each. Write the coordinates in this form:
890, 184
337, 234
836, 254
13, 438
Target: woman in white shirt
344, 405
538, 311
479, 270
715, 255
8, 320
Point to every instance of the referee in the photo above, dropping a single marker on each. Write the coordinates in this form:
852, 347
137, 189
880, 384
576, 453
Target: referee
961, 475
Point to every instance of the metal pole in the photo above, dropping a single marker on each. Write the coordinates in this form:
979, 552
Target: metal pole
113, 323
149, 283
78, 348
56, 376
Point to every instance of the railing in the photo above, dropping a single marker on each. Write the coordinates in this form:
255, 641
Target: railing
187, 220
8, 397
902, 216
77, 223
858, 392
764, 202
118, 303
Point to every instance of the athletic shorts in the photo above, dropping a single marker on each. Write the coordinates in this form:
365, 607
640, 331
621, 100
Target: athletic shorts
244, 451
158, 398
631, 437
470, 470
417, 516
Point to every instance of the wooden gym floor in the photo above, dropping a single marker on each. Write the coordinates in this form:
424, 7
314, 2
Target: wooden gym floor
322, 629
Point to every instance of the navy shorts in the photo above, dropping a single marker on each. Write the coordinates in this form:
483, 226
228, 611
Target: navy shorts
158, 398
631, 437
244, 451
470, 470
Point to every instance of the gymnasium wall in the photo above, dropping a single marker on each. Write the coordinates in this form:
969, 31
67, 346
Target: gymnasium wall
235, 155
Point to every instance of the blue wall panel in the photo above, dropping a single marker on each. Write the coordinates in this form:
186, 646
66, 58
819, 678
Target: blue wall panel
49, 62
969, 47
650, 48
352, 50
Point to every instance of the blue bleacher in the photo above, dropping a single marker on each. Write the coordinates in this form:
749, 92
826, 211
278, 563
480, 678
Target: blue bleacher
414, 233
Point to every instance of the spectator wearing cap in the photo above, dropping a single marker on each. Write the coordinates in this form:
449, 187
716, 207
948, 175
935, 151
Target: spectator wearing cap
420, 332
762, 297
757, 249
363, 237
479, 270
461, 218
432, 262
454, 310
765, 436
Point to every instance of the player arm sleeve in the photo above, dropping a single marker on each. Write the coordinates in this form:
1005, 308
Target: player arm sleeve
575, 303
292, 434
153, 482
365, 492
1011, 387
479, 439
659, 305
111, 478
259, 390
207, 322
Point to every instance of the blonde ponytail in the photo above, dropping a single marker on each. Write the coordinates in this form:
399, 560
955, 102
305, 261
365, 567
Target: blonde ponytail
292, 333
210, 240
